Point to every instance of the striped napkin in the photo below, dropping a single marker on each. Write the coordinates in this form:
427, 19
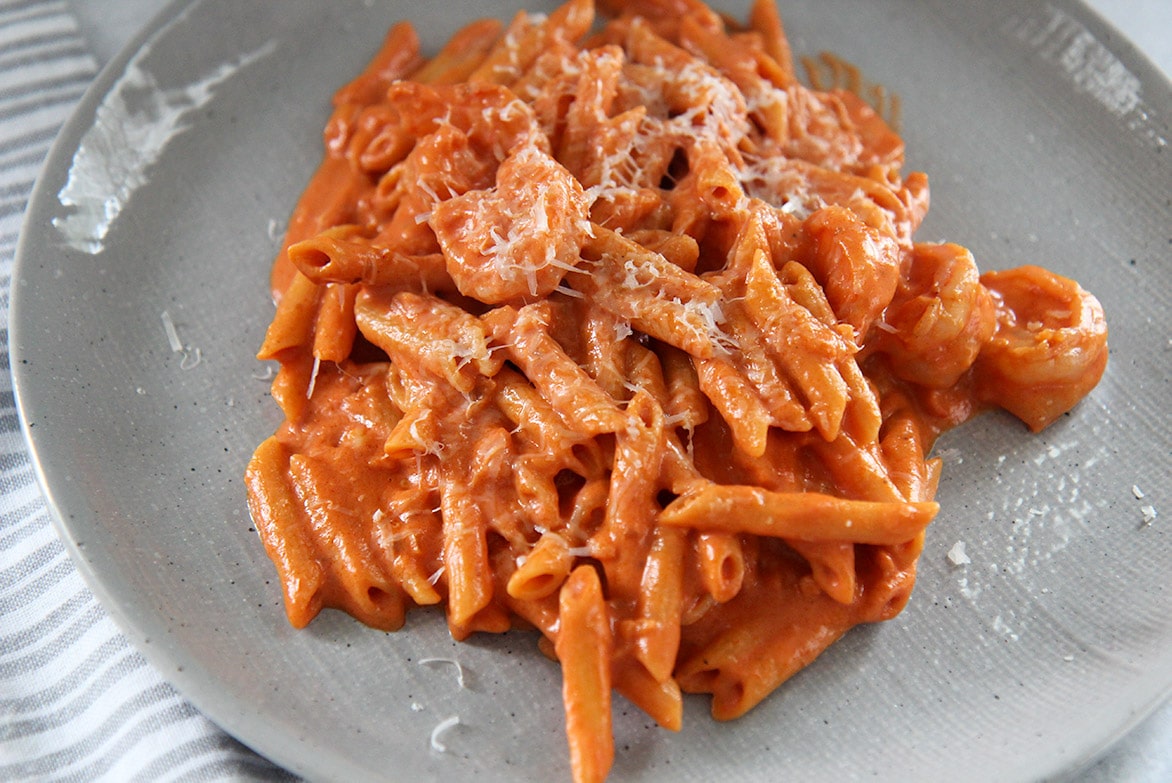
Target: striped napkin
77, 701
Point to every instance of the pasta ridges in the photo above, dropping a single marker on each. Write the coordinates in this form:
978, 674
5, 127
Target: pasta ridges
809, 516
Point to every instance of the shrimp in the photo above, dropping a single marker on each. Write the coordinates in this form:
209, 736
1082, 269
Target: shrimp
1049, 349
939, 319
856, 264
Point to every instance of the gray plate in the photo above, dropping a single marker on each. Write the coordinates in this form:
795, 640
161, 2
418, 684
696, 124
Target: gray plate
1046, 137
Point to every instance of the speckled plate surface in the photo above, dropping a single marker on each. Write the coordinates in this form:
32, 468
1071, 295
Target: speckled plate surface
1046, 140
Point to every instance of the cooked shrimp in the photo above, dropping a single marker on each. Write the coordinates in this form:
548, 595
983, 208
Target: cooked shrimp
939, 319
1050, 347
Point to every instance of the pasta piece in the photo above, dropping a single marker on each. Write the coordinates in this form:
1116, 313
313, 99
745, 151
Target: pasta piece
545, 569
396, 57
276, 511
584, 645
652, 294
764, 18
810, 516
722, 564
465, 546
748, 653
657, 632
559, 379
806, 349
461, 55
426, 333
341, 255
363, 587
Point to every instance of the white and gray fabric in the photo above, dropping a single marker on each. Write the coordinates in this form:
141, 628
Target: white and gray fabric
77, 701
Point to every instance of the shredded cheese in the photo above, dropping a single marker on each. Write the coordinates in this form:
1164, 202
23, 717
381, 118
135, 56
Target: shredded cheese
191, 359
313, 378
451, 661
957, 555
439, 729
172, 335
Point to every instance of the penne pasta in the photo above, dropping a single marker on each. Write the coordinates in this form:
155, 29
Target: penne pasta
613, 329
809, 516
583, 647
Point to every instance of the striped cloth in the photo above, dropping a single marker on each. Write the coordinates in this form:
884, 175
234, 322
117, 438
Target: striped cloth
77, 701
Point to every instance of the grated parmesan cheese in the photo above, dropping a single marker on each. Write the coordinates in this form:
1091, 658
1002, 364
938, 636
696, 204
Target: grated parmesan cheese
313, 378
191, 359
957, 555
439, 729
451, 661
172, 335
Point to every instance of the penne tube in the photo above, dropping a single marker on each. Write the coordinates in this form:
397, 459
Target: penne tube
465, 554
657, 632
602, 336
645, 373
526, 37
680, 249
738, 403
292, 326
660, 699
804, 347
342, 255
832, 566
407, 530
630, 508
461, 55
858, 470
328, 200
335, 329
465, 480
809, 516
765, 19
279, 517
721, 562
396, 57
753, 651
686, 406
558, 378
424, 334
362, 586
543, 571
584, 646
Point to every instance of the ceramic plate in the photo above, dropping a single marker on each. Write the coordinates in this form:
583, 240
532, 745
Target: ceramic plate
1046, 138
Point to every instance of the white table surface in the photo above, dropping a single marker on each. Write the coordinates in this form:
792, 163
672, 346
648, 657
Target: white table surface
1145, 754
